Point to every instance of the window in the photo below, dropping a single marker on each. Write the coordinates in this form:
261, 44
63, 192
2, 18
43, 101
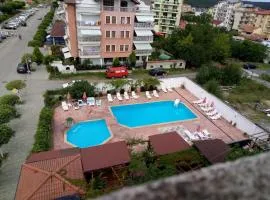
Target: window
113, 48
113, 34
123, 20
124, 4
108, 2
128, 20
121, 48
108, 48
122, 34
108, 19
126, 47
108, 35
180, 64
113, 19
127, 34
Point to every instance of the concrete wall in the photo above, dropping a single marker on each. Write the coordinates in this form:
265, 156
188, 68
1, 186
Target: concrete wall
227, 112
72, 29
166, 64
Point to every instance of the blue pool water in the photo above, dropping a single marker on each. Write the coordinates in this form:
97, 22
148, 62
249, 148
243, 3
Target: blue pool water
88, 133
145, 114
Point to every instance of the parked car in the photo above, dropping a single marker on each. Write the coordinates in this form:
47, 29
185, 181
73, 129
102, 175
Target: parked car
157, 72
22, 68
117, 72
249, 66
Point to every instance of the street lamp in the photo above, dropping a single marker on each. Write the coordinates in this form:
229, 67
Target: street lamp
27, 64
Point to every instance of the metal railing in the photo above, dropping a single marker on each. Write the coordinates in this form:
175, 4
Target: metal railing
143, 25
90, 39
143, 38
143, 52
88, 23
90, 53
117, 9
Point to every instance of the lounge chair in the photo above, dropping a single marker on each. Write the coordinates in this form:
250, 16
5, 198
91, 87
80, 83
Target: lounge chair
148, 95
212, 113
98, 102
119, 97
76, 106
109, 97
207, 109
215, 117
204, 105
134, 95
169, 89
64, 106
191, 135
200, 101
126, 96
91, 101
206, 133
164, 89
81, 103
155, 94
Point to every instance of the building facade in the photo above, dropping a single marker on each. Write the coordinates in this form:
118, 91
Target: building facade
167, 14
102, 30
243, 15
224, 12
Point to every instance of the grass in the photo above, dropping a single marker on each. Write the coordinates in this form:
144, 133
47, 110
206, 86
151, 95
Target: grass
99, 75
265, 77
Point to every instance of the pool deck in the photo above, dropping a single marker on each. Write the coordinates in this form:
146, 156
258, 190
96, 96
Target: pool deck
220, 129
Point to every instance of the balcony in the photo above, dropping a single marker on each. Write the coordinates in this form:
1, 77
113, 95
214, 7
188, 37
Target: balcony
143, 38
143, 25
89, 23
90, 39
143, 52
119, 9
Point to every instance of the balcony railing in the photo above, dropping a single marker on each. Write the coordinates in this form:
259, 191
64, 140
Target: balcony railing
90, 53
143, 38
117, 9
143, 52
88, 23
90, 39
143, 25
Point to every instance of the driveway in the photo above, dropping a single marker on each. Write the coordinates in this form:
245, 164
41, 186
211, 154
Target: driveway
25, 126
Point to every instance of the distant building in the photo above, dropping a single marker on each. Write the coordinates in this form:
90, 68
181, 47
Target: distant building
167, 15
224, 12
102, 30
186, 8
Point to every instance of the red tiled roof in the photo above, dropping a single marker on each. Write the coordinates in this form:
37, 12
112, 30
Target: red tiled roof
104, 156
263, 12
58, 29
216, 22
182, 24
215, 151
168, 143
43, 176
247, 28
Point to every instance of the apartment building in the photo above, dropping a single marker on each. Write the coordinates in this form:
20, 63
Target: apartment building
224, 12
244, 15
262, 23
102, 30
167, 14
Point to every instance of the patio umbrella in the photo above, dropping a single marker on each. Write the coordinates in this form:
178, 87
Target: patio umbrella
84, 97
68, 97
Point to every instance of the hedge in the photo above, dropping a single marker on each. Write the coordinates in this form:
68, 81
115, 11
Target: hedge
41, 33
7, 113
9, 99
17, 84
43, 136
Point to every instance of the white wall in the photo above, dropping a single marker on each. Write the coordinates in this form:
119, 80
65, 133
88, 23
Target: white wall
227, 112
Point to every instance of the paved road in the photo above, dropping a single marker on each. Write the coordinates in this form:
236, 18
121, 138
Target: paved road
20, 145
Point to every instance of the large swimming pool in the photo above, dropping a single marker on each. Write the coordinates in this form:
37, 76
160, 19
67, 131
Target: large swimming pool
88, 133
146, 114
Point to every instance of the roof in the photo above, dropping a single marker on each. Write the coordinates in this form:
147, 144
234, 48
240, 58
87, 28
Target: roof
263, 12
104, 156
216, 22
44, 175
247, 28
214, 151
58, 29
167, 143
70, 1
182, 24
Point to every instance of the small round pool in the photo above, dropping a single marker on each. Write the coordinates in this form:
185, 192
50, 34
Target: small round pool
88, 133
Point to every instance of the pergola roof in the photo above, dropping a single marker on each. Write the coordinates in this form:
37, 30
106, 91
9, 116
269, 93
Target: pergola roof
167, 143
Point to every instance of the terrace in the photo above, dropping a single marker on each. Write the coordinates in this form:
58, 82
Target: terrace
219, 129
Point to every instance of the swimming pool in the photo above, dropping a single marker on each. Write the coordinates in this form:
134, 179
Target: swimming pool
146, 114
88, 133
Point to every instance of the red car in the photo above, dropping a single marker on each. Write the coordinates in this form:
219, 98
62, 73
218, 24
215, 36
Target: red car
117, 72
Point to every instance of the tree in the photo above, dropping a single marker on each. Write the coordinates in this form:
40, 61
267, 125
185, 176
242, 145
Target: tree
79, 87
37, 56
150, 83
116, 62
119, 83
16, 84
48, 59
213, 87
27, 57
221, 47
132, 59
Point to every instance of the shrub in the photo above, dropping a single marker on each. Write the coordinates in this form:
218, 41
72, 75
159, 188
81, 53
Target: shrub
5, 134
213, 87
116, 62
37, 56
9, 99
207, 73
48, 59
78, 88
17, 84
265, 77
7, 113
238, 152
44, 131
231, 74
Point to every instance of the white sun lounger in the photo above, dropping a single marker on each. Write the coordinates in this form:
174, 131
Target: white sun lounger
98, 102
91, 101
134, 95
200, 101
148, 95
215, 117
119, 97
155, 94
212, 113
206, 133
164, 89
169, 89
126, 96
109, 97
64, 106
190, 135
203, 105
207, 109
